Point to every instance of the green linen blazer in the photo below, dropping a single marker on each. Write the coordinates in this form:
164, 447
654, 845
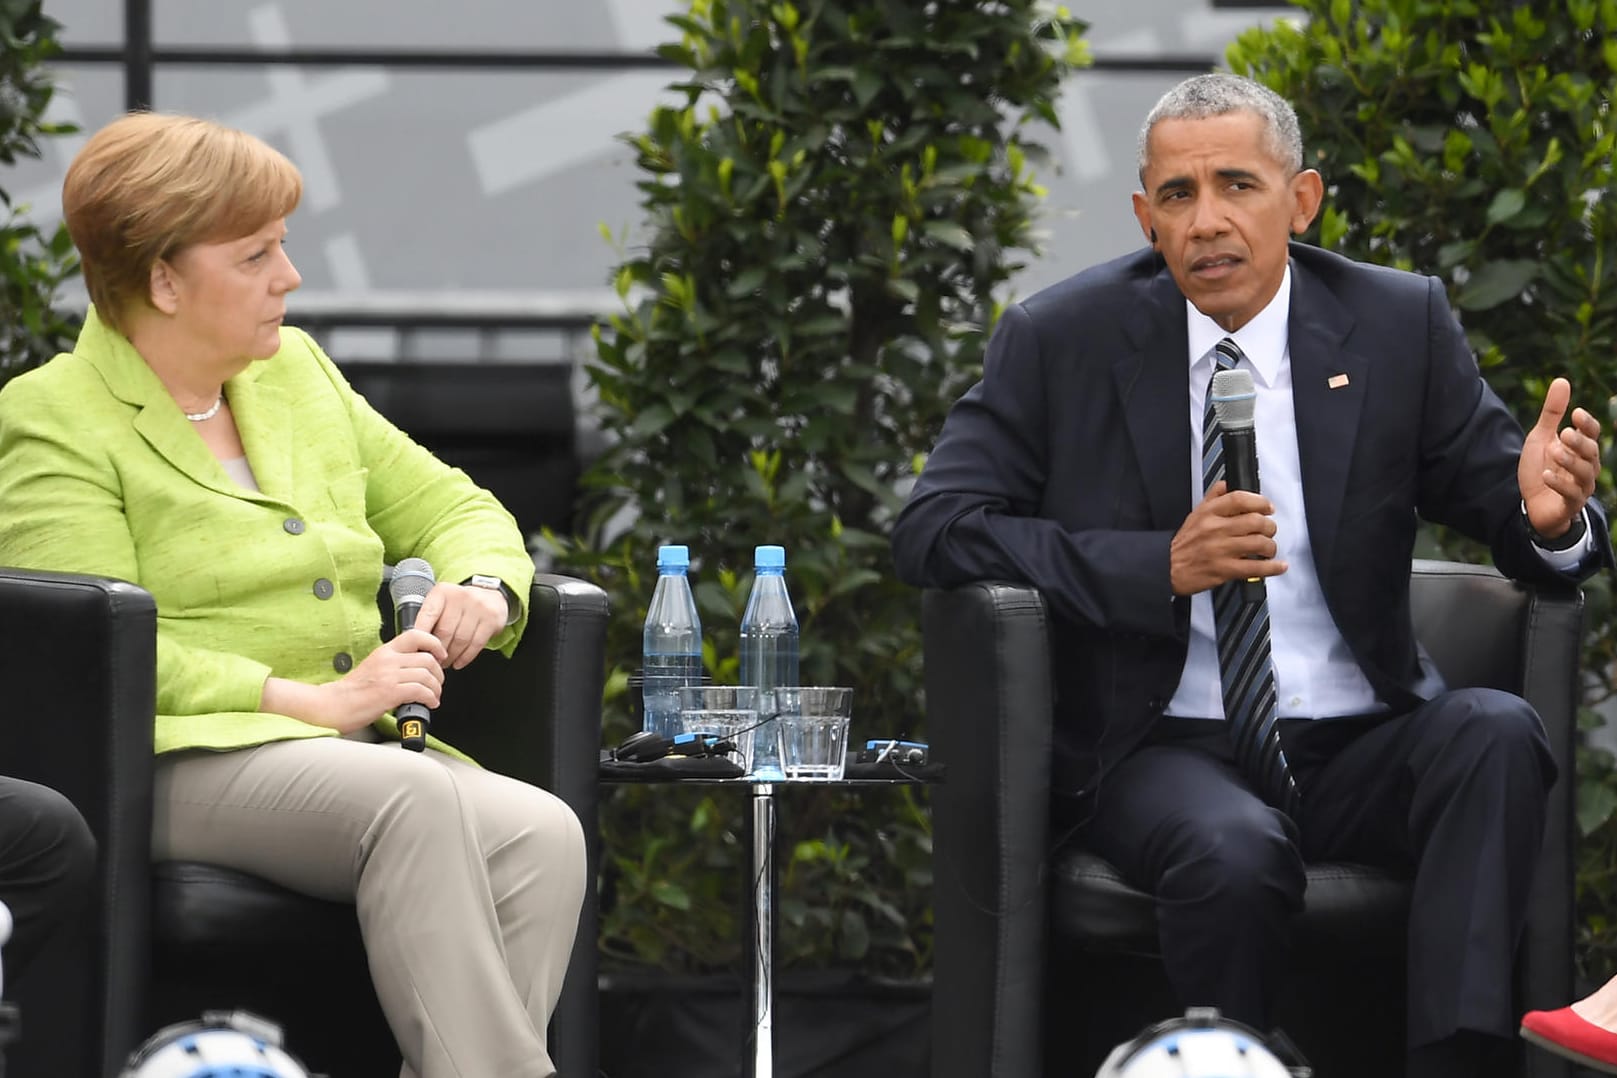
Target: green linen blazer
101, 473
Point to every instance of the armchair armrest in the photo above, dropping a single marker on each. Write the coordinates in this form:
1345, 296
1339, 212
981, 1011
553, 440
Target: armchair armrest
1552, 641
78, 659
537, 717
1484, 630
989, 718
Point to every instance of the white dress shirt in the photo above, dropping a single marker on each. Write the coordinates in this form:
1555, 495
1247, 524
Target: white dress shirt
1316, 675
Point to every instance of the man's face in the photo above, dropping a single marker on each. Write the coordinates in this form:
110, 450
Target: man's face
1223, 210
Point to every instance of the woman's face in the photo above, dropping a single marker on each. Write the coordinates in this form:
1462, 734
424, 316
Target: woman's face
230, 297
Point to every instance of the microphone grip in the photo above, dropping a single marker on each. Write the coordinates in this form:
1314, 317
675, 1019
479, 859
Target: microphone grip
1241, 460
1241, 473
414, 722
414, 719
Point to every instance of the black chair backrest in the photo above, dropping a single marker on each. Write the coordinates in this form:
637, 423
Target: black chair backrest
1470, 620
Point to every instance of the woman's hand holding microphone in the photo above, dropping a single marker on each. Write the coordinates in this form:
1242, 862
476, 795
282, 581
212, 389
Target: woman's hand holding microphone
407, 669
450, 626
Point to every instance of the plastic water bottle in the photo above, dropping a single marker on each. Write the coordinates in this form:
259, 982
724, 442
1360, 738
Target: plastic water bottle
673, 642
768, 650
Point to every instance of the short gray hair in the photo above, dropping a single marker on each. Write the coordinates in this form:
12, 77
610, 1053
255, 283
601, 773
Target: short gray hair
1218, 94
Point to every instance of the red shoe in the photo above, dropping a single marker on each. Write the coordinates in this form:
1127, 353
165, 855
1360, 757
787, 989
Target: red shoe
1572, 1037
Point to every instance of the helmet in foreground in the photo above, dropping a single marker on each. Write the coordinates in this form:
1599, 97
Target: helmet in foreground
1203, 1044
224, 1044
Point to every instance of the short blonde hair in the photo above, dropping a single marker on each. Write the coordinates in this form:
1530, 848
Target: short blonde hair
150, 184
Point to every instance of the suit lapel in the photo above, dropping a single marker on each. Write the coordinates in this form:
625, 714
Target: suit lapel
1153, 386
1328, 386
159, 421
169, 433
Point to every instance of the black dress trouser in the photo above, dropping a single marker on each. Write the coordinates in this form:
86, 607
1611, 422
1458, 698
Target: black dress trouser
1453, 792
47, 862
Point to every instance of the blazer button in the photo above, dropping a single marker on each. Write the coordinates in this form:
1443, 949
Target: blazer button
323, 589
342, 662
293, 526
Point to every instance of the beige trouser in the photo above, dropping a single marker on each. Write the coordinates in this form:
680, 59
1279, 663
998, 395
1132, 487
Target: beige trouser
468, 883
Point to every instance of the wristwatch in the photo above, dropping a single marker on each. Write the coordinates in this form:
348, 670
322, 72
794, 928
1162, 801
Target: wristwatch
1566, 541
494, 583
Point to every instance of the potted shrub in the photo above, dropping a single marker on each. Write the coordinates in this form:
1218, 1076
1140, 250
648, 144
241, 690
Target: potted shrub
833, 208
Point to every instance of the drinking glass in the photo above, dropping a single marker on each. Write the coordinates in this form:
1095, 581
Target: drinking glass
812, 731
728, 712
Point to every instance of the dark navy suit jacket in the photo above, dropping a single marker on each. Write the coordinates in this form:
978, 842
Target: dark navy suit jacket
1067, 467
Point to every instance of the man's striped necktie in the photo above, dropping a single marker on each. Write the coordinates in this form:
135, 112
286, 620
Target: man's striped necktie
1245, 668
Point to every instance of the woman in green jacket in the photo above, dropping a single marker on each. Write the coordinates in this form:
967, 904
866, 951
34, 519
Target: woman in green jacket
194, 445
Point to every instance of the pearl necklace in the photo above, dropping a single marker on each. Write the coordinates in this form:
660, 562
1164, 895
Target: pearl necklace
203, 417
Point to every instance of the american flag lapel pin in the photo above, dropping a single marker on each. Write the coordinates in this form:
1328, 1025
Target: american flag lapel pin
1337, 381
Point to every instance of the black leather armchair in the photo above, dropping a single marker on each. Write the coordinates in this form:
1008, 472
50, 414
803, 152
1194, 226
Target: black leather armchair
1045, 959
77, 659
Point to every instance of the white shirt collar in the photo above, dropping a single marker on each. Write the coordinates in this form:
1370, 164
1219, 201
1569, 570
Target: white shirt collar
1263, 339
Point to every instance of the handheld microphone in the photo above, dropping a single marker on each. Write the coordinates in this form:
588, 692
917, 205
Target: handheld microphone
412, 579
1235, 402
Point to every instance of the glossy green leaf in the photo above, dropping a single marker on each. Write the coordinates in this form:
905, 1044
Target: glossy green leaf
1505, 205
671, 894
1596, 804
946, 232
1496, 282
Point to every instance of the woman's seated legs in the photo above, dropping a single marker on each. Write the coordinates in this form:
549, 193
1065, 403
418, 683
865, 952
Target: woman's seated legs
466, 949
534, 849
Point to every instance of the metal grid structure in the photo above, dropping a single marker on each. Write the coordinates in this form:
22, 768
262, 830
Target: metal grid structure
442, 323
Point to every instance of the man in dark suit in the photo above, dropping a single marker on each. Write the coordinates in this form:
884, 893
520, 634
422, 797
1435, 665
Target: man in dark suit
1077, 465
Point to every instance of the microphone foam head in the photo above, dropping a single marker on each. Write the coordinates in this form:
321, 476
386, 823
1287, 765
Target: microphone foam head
1235, 400
412, 579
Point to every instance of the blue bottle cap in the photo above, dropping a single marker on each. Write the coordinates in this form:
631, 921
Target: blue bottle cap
769, 557
673, 557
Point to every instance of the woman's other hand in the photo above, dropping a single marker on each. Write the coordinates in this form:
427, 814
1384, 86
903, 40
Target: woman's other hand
407, 669
464, 618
